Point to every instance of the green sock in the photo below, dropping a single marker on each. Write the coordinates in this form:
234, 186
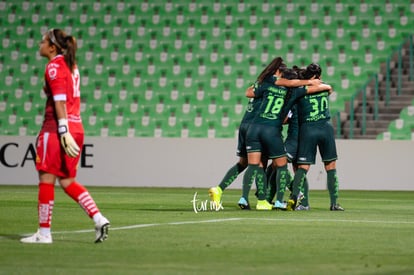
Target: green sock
269, 172
248, 179
305, 191
271, 186
289, 181
231, 175
261, 184
300, 176
333, 185
281, 182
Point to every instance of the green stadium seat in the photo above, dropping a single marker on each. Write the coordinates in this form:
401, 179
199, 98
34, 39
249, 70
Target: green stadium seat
221, 124
117, 130
145, 127
386, 136
171, 126
399, 130
195, 131
336, 102
11, 118
168, 132
402, 21
407, 115
230, 131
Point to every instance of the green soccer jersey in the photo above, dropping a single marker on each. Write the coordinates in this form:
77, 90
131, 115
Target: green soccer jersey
251, 110
270, 111
314, 107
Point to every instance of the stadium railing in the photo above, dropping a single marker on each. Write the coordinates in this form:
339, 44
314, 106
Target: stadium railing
362, 93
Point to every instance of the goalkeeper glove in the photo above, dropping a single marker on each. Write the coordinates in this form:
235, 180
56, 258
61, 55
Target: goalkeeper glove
68, 143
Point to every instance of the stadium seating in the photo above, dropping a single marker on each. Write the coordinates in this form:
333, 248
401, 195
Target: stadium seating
407, 115
399, 129
137, 58
403, 127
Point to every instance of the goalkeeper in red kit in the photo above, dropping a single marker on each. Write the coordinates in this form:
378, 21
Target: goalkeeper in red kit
60, 140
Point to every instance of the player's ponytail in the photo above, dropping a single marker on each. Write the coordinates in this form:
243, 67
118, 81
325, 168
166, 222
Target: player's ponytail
270, 69
65, 44
70, 52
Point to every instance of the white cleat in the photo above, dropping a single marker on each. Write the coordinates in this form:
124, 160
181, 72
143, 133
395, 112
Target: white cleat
37, 238
302, 208
101, 230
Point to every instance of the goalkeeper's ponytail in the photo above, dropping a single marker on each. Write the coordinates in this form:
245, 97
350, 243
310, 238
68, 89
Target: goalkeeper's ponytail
70, 52
65, 44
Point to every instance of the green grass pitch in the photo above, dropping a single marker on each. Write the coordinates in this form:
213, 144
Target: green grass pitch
156, 231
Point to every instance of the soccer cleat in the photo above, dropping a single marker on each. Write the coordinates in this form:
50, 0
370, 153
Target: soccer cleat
101, 230
280, 205
37, 238
215, 194
291, 205
243, 204
336, 207
302, 208
263, 205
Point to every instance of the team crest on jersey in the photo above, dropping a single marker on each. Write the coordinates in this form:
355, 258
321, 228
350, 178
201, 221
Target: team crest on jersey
52, 73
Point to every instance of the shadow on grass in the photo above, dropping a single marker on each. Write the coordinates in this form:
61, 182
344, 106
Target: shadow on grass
11, 236
56, 239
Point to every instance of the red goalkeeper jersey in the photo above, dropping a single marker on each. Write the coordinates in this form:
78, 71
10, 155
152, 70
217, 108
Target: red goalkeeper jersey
62, 85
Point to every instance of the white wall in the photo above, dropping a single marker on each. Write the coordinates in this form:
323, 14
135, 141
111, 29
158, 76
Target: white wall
362, 164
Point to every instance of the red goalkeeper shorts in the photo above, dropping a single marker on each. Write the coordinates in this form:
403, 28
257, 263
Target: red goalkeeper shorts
51, 158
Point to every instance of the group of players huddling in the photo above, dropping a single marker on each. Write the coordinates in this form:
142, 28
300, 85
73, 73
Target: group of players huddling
299, 98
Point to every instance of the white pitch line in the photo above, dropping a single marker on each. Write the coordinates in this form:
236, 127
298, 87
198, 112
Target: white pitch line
150, 225
142, 226
234, 219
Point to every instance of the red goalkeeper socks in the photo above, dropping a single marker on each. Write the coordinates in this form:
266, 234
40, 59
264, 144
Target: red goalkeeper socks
79, 193
45, 204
